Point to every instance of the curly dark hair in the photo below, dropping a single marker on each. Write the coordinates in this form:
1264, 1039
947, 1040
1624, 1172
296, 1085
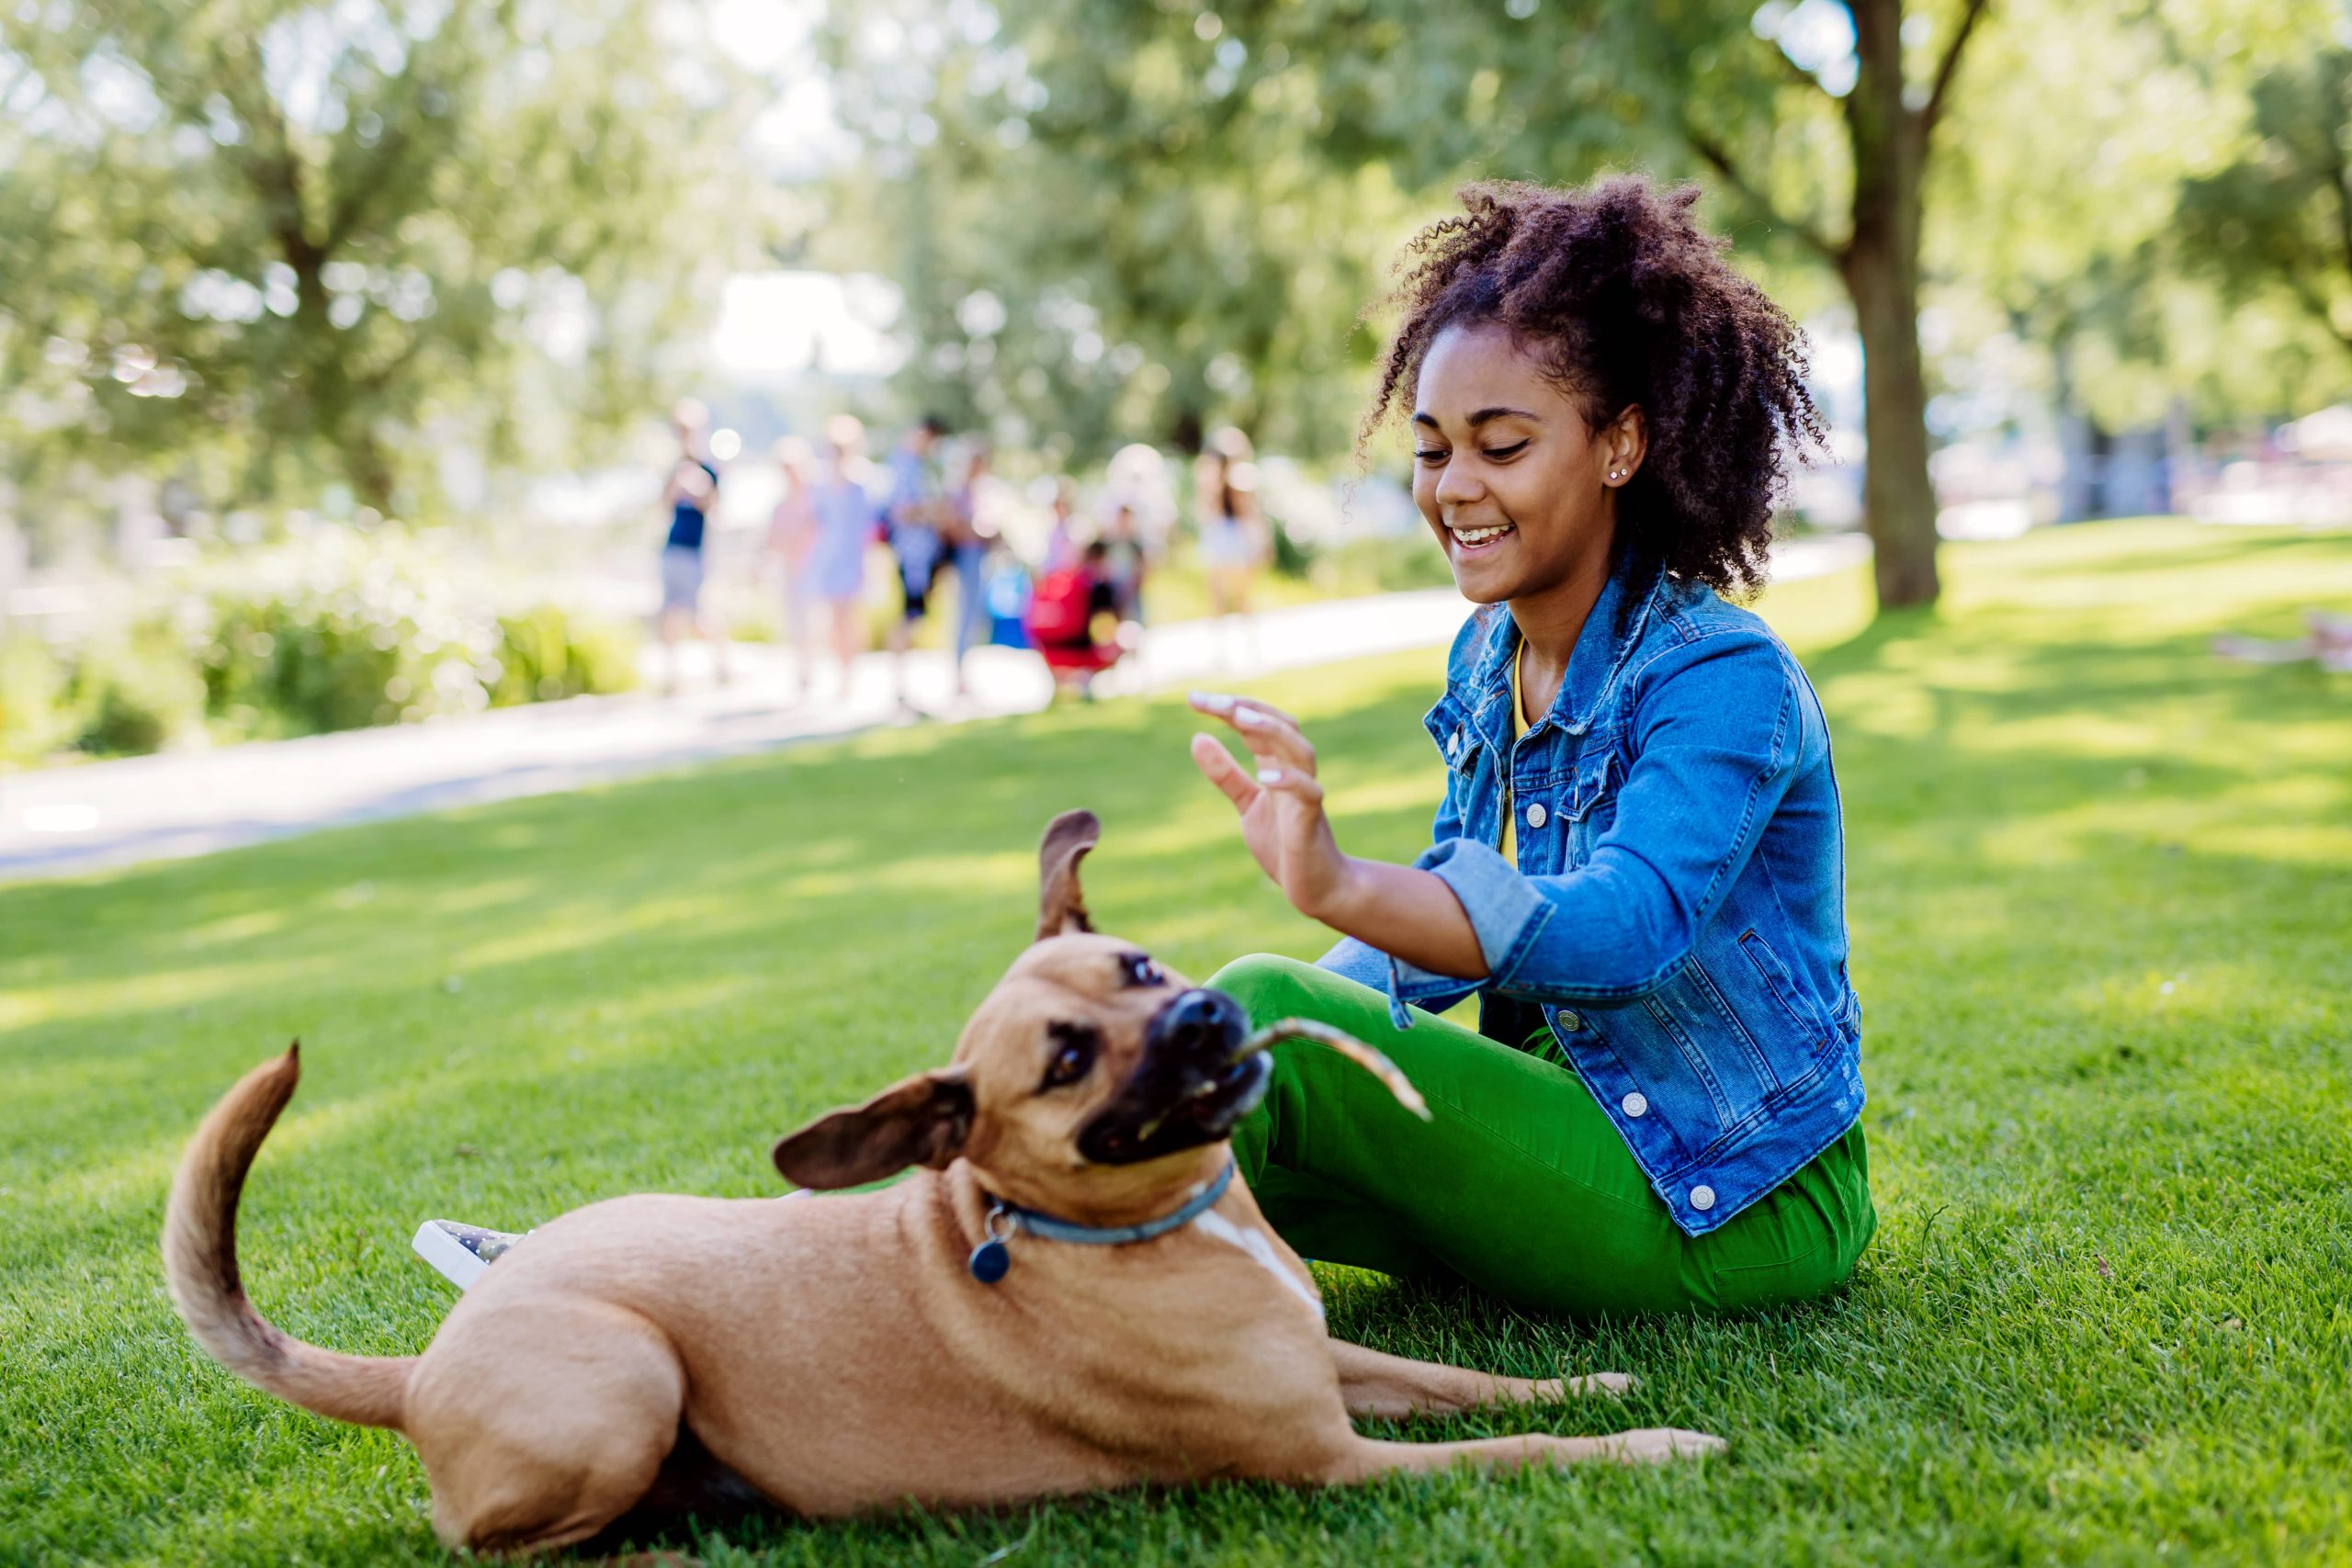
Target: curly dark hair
1628, 301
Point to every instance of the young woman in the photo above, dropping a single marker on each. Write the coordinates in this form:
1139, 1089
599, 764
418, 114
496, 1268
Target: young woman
1639, 866
1233, 534
844, 526
792, 540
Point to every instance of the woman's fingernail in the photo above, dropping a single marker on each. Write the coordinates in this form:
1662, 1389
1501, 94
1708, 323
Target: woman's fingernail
1250, 717
1215, 701
1270, 775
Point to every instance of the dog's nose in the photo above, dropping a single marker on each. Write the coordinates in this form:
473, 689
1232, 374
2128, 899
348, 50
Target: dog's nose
1200, 1022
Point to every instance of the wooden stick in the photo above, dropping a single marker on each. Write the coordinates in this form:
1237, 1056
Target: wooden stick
1372, 1061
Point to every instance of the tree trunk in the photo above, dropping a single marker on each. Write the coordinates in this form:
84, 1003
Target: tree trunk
1881, 267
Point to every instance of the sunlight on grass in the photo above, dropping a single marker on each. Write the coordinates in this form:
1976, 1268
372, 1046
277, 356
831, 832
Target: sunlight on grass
26, 1007
2097, 884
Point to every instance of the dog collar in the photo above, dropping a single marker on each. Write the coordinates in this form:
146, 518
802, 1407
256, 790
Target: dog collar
993, 1258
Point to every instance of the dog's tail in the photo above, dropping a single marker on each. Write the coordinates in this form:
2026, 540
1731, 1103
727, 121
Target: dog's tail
201, 1261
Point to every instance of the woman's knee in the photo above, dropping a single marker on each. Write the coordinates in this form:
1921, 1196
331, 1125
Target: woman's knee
1268, 987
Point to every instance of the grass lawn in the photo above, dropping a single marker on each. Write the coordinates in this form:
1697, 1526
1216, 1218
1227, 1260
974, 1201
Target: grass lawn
2101, 900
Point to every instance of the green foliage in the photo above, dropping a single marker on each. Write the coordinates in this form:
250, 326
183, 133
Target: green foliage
1294, 557
278, 245
2278, 221
118, 697
1205, 196
1361, 565
2098, 885
1098, 242
331, 634
34, 721
341, 630
333, 631
545, 653
1389, 565
2087, 245
135, 695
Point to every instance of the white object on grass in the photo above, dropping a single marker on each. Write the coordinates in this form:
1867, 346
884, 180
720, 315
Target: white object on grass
452, 1258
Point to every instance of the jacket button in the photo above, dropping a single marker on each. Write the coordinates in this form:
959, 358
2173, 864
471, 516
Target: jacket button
1569, 1020
1453, 747
1702, 1197
1536, 814
1637, 1104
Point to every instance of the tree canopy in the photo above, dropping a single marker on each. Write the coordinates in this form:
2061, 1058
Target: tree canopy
289, 245
1270, 111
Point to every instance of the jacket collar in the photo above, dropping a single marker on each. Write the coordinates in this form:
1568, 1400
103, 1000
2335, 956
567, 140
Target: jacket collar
1594, 667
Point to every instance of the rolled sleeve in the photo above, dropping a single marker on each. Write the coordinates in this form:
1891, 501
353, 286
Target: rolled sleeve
1504, 911
1358, 961
1404, 985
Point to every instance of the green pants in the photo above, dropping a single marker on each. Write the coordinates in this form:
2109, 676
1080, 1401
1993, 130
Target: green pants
1519, 1185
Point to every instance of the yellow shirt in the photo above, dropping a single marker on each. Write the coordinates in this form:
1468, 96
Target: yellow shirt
1508, 848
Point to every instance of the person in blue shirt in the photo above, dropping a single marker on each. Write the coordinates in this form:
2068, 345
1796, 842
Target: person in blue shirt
1638, 864
690, 492
917, 518
836, 565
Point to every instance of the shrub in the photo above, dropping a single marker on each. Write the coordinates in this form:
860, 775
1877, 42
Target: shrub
333, 631
545, 653
134, 696
34, 721
339, 631
1294, 557
120, 698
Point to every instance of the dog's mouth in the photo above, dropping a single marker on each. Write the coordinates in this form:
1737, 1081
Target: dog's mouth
1225, 1098
1195, 1081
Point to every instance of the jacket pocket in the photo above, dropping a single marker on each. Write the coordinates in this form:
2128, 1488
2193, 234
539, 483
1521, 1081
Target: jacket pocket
1591, 803
1781, 986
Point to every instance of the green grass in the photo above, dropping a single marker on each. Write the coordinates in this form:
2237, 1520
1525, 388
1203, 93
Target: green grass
2101, 894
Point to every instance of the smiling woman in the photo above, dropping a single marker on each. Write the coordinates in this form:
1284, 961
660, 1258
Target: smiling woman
1639, 866
1608, 319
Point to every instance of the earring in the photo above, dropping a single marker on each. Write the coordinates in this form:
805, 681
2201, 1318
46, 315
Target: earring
1616, 473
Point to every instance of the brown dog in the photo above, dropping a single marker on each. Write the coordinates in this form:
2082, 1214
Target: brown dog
847, 1354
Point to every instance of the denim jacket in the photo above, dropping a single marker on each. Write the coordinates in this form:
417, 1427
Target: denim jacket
1677, 917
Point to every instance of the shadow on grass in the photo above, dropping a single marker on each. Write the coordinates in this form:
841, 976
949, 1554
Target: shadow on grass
2101, 1006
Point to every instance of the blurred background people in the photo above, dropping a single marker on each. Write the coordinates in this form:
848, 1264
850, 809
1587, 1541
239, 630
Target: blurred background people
691, 493
844, 525
1065, 617
792, 539
1125, 562
917, 518
1233, 543
1066, 534
1138, 476
972, 535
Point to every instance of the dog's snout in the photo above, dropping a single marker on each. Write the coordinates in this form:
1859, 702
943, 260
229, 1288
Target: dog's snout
1200, 1022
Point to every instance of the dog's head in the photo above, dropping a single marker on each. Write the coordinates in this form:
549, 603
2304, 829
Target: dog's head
1091, 1082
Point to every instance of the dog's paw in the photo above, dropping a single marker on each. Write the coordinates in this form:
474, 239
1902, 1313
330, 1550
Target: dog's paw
1654, 1445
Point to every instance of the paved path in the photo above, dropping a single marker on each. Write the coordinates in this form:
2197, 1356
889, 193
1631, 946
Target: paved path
64, 820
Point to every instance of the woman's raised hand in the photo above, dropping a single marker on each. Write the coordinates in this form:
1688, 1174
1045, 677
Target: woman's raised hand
1282, 806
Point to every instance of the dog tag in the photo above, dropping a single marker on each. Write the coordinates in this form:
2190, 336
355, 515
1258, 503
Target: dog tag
990, 1260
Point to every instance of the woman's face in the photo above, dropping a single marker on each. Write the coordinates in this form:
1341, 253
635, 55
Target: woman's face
1519, 491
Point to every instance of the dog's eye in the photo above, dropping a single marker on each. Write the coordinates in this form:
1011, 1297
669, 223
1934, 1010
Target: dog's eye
1073, 1058
1138, 970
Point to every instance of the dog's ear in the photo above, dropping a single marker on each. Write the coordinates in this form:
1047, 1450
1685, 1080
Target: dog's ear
918, 1120
1061, 903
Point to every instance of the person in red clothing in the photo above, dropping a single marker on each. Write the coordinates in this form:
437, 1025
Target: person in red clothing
1062, 614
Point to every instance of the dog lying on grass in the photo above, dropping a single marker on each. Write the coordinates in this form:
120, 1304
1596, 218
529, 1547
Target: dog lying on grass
1069, 1293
